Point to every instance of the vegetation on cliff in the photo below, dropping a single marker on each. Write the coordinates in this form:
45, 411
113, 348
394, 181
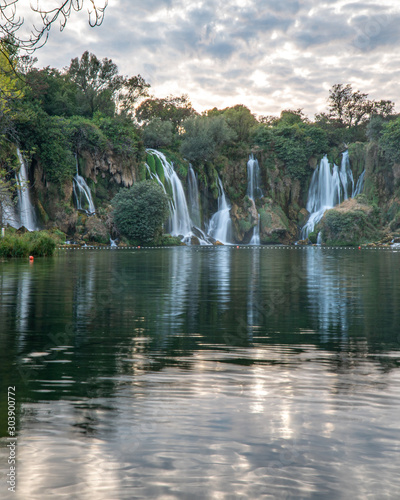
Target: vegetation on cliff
90, 117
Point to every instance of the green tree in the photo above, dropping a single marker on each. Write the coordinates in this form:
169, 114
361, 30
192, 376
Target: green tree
171, 108
203, 136
140, 212
157, 134
352, 108
133, 90
98, 83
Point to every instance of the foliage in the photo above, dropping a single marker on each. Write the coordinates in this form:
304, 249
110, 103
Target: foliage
349, 228
98, 83
139, 212
293, 144
171, 108
389, 140
157, 134
203, 136
133, 90
121, 133
37, 244
351, 108
239, 118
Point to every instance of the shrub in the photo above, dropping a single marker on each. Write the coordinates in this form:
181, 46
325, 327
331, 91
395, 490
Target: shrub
37, 243
139, 212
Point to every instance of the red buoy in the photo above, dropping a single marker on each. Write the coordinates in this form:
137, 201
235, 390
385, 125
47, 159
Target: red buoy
359, 248
31, 258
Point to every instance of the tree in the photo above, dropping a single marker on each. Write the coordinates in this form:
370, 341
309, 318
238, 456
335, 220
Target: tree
171, 108
157, 134
98, 83
353, 108
133, 90
140, 212
11, 22
203, 136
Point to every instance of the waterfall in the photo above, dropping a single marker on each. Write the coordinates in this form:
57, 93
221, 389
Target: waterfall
255, 239
328, 188
254, 191
27, 214
253, 179
82, 194
179, 223
220, 227
360, 184
193, 197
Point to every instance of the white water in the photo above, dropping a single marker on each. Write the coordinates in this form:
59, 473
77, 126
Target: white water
255, 239
220, 227
254, 191
179, 223
360, 184
27, 217
82, 194
328, 188
193, 198
253, 179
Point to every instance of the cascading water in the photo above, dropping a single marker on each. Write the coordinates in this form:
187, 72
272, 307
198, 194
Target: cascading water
179, 223
220, 227
193, 197
26, 209
254, 191
253, 179
82, 194
255, 239
360, 184
328, 188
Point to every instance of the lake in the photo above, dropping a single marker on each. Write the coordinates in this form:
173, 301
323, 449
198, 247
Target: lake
203, 373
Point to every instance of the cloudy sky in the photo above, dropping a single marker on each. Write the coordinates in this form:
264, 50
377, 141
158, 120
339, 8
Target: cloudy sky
268, 54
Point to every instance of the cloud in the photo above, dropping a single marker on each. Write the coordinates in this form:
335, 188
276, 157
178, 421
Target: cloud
268, 55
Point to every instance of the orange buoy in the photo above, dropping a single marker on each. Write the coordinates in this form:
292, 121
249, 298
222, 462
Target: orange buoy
31, 258
138, 247
237, 246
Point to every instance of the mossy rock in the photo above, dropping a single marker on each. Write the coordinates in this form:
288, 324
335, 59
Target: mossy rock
151, 162
350, 224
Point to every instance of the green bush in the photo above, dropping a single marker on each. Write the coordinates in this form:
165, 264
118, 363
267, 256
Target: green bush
139, 212
37, 244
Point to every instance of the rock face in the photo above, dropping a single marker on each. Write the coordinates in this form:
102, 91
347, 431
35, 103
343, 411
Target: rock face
275, 227
352, 222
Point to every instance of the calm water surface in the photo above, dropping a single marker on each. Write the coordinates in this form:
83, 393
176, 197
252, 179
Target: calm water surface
198, 373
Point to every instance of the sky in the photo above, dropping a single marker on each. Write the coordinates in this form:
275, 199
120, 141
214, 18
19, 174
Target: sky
268, 55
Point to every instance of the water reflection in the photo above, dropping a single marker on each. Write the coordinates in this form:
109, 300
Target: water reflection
158, 374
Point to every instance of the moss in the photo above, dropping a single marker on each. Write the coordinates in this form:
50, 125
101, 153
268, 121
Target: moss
313, 237
265, 218
269, 239
151, 162
349, 228
245, 225
43, 214
160, 169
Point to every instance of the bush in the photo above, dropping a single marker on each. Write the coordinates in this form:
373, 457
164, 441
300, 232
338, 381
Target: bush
139, 212
37, 243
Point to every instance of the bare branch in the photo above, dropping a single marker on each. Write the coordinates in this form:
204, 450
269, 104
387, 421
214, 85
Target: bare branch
11, 23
